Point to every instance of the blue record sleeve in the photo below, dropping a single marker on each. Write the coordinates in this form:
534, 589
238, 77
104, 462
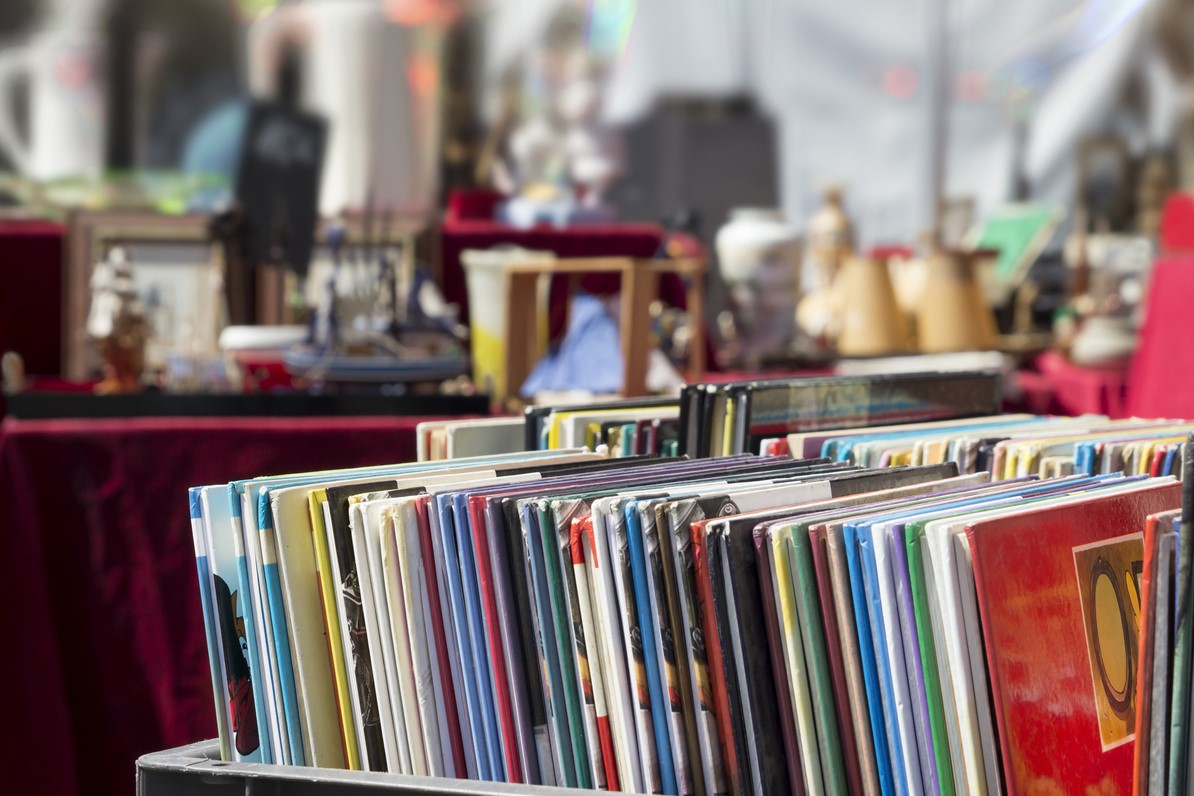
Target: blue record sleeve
246, 719
463, 714
260, 662
888, 759
911, 780
839, 449
211, 627
482, 654
453, 567
648, 631
278, 629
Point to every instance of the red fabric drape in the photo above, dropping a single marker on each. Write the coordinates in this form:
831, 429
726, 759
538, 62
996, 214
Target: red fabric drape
104, 656
31, 294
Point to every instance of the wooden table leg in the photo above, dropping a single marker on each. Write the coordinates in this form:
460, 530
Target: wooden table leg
696, 314
639, 288
522, 338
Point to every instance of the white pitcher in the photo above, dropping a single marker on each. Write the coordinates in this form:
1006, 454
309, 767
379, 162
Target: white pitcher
67, 115
377, 81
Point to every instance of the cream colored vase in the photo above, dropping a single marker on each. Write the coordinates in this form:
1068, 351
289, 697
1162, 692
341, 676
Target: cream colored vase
952, 314
870, 317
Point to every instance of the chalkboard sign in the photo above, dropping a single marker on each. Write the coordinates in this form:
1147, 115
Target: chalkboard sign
278, 183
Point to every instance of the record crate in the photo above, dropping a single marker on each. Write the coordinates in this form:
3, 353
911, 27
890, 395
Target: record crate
197, 770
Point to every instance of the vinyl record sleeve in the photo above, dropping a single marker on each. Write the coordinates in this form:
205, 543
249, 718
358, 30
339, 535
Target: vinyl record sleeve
371, 689
853, 770
655, 526
682, 593
795, 664
1158, 740
210, 622
817, 443
505, 609
549, 641
976, 651
263, 663
398, 613
248, 742
590, 646
295, 737
386, 682
803, 404
565, 634
615, 599
787, 719
942, 775
484, 658
484, 437
879, 590
680, 725
865, 700
444, 626
314, 682
1183, 621
643, 657
873, 756
516, 746
274, 638
331, 625
402, 545
1075, 744
450, 560
730, 730
556, 526
527, 623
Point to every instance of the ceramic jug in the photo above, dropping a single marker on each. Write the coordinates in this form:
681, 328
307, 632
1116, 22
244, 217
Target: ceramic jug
64, 69
870, 320
759, 256
953, 314
376, 78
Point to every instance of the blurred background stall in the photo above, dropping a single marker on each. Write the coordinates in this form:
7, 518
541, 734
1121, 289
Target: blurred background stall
213, 210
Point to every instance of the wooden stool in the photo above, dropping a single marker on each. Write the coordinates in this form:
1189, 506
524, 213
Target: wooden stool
639, 287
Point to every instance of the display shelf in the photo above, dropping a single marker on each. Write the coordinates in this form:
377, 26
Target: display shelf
197, 770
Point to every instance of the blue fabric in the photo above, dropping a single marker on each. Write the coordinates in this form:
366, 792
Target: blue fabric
588, 358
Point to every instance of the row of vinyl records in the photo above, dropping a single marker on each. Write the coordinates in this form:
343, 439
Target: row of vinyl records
721, 419
744, 624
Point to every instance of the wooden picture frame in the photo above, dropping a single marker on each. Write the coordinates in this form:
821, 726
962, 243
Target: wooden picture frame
91, 235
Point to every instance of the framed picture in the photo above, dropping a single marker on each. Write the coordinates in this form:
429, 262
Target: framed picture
175, 272
179, 276
1019, 233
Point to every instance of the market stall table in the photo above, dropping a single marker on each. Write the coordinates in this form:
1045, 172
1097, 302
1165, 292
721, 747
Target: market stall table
106, 657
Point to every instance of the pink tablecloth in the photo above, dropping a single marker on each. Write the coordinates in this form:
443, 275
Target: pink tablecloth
1056, 387
1161, 382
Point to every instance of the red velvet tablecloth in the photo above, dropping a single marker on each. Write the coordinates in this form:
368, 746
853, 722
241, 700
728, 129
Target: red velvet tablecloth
31, 293
104, 656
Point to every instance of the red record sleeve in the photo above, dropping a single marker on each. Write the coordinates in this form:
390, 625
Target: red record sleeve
1058, 593
717, 672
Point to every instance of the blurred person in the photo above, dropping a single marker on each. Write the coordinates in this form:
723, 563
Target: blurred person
172, 63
